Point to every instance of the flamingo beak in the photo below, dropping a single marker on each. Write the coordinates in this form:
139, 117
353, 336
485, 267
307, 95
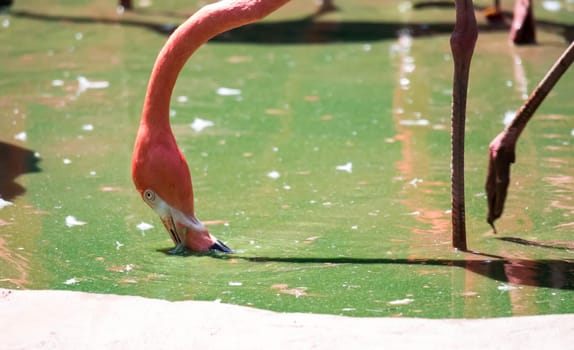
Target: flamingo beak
220, 247
166, 214
171, 228
179, 225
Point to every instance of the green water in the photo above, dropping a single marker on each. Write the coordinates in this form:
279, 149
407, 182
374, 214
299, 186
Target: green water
374, 241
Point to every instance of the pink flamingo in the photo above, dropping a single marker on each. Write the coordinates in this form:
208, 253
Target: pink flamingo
159, 169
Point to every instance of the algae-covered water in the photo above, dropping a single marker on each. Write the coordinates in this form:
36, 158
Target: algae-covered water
324, 163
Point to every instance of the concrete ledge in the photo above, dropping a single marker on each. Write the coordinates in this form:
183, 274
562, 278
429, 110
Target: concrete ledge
74, 320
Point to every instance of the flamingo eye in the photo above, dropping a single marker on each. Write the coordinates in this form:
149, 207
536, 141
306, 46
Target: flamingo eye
149, 195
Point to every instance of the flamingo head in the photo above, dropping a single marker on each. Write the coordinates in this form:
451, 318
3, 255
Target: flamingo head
185, 230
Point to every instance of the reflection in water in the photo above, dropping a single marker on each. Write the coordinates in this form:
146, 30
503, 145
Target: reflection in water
15, 161
415, 164
413, 135
519, 75
281, 118
19, 266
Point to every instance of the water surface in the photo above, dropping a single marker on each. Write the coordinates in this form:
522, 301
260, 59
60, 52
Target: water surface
325, 165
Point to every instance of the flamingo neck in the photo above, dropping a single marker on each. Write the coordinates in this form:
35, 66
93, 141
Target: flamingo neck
208, 22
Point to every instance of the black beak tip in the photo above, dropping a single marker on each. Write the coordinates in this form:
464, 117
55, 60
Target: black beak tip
219, 246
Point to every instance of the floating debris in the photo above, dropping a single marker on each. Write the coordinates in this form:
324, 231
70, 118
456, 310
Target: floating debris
401, 301
223, 91
415, 181
119, 245
121, 268
273, 174
551, 5
144, 226
404, 82
238, 59
85, 84
87, 127
414, 122
182, 99
71, 221
283, 288
109, 189
67, 161
506, 287
57, 82
22, 136
199, 124
4, 203
345, 167
310, 239
235, 284
71, 281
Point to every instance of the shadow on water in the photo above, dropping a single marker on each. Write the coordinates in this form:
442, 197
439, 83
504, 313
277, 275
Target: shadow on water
15, 161
547, 273
557, 274
307, 30
558, 245
164, 29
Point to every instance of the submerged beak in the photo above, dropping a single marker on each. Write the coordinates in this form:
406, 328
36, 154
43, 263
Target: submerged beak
218, 246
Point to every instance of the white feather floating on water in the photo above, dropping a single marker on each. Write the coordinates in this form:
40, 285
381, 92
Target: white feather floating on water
506, 287
199, 124
21, 136
144, 226
273, 174
401, 301
71, 281
4, 203
85, 84
71, 221
223, 91
345, 167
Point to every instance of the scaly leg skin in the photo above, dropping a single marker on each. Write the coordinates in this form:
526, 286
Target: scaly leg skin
462, 43
501, 156
502, 149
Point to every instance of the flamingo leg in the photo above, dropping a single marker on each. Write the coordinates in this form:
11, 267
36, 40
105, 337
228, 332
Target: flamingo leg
502, 147
462, 43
